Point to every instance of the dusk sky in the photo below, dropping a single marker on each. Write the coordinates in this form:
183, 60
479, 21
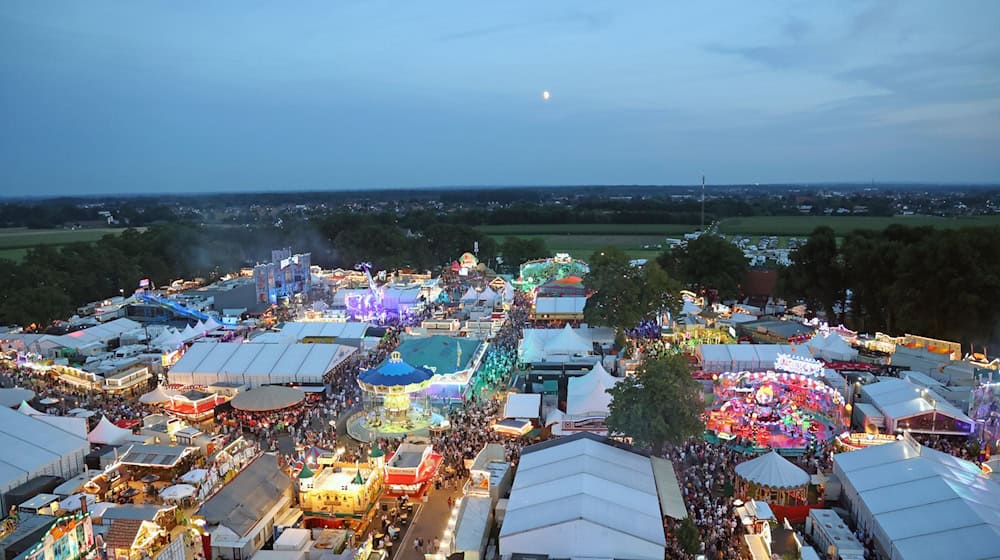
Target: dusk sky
118, 97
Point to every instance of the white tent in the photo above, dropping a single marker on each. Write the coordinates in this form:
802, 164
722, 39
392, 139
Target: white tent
194, 476
255, 365
25, 408
33, 447
107, 433
272, 397
508, 292
157, 396
568, 342
523, 405
836, 348
211, 324
772, 471
488, 295
190, 333
470, 296
584, 384
178, 492
596, 402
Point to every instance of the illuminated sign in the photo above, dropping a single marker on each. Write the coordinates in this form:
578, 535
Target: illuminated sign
70, 538
801, 366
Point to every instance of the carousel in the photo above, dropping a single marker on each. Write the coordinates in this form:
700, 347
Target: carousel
775, 410
395, 397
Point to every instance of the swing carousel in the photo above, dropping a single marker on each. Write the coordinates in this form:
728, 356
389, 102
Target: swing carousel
775, 410
395, 397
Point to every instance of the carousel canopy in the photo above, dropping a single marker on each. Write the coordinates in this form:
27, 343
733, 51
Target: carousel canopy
394, 372
270, 397
772, 471
107, 433
15, 396
157, 396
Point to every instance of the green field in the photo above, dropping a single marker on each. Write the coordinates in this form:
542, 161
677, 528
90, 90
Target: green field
539, 230
841, 225
15, 242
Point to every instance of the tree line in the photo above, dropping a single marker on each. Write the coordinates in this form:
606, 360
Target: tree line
939, 283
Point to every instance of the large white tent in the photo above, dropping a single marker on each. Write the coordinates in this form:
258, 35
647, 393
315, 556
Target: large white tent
158, 396
258, 364
106, 433
527, 406
49, 449
831, 347
580, 497
14, 396
562, 345
587, 395
27, 410
919, 503
262, 399
906, 405
718, 358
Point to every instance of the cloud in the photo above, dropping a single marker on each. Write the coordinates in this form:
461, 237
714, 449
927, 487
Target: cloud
796, 29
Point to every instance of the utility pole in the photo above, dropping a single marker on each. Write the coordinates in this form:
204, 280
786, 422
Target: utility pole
702, 203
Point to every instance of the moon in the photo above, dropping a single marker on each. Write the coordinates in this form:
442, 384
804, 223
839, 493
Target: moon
546, 95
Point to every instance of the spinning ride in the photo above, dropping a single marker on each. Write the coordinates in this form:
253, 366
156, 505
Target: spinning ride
395, 397
775, 409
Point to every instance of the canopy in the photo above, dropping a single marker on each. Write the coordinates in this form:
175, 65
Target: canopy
584, 384
597, 401
81, 413
270, 397
194, 476
394, 372
471, 296
107, 433
14, 396
488, 295
772, 471
25, 408
568, 342
178, 492
157, 396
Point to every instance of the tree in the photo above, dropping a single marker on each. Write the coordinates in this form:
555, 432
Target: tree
518, 250
661, 404
688, 536
816, 273
706, 263
623, 295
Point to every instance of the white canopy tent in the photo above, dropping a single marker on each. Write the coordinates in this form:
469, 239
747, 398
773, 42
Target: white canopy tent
106, 433
272, 397
178, 492
158, 396
901, 402
831, 347
50, 450
772, 471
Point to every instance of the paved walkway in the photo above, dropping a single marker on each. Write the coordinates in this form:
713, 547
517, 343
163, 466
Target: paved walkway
428, 524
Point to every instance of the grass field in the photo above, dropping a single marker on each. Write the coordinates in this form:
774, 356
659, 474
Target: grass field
15, 242
538, 230
841, 225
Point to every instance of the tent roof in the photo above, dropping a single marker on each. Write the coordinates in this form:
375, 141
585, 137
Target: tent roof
23, 456
270, 397
560, 304
584, 384
26, 409
107, 433
899, 398
156, 396
290, 362
243, 502
298, 330
470, 295
582, 478
928, 504
567, 341
15, 396
596, 400
772, 470
97, 334
394, 372
523, 405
